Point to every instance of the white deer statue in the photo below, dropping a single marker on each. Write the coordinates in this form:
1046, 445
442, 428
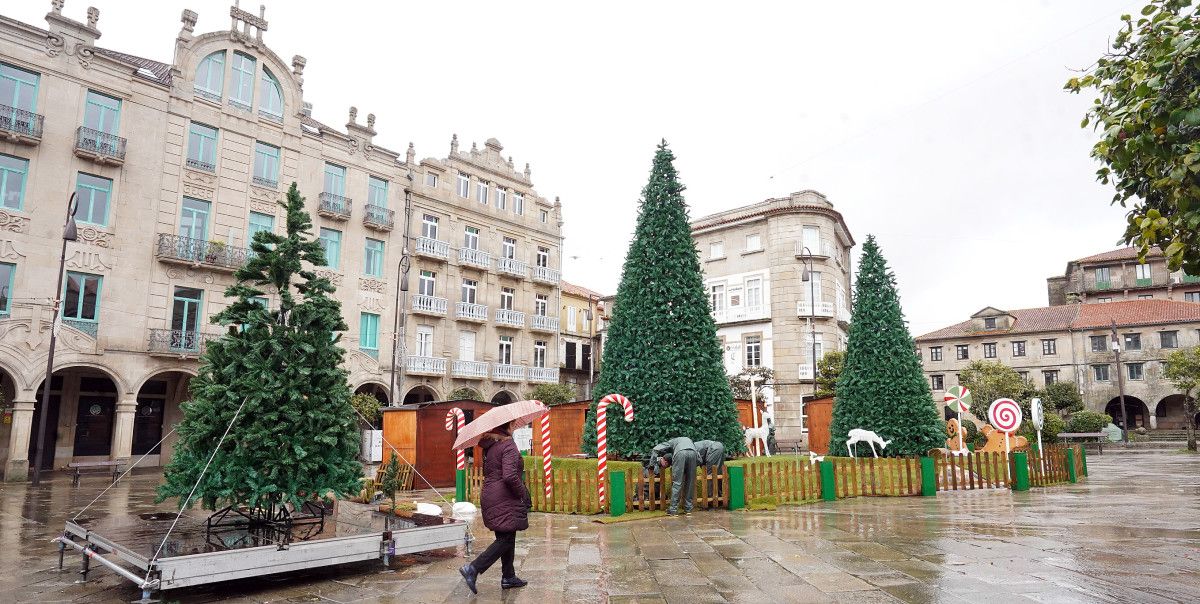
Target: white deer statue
759, 434
858, 435
814, 458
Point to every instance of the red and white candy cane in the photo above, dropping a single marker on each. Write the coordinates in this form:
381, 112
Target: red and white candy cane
455, 416
602, 437
546, 453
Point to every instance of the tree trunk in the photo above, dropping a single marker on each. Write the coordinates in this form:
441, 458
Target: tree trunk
1190, 422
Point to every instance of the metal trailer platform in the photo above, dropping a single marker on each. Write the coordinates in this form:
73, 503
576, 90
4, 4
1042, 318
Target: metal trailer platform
195, 555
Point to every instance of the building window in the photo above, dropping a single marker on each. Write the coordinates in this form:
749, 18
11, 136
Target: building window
518, 203
585, 354
989, 323
571, 319
7, 271
1099, 343
470, 288
544, 216
1050, 377
93, 194
1142, 271
811, 239
202, 147
716, 297
260, 222
1024, 375
18, 89
373, 258
464, 185
431, 179
753, 243
1133, 341
1103, 277
507, 296
1049, 347
331, 240
426, 283
1018, 349
569, 355
716, 250
335, 180
1145, 296
1191, 296
541, 302
466, 345
1135, 370
543, 257
1104, 299
961, 352
266, 164
1168, 339
429, 226
539, 353
12, 178
753, 351
368, 333
102, 113
424, 340
501, 198
270, 96
508, 248
81, 297
193, 219
935, 353
242, 82
989, 350
185, 314
481, 192
377, 192
754, 297
1100, 373
471, 238
937, 382
210, 75
506, 346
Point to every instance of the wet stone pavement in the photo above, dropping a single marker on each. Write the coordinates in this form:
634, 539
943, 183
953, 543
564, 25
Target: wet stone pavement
1129, 533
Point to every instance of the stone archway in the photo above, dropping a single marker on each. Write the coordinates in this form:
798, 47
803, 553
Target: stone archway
375, 389
504, 397
89, 394
1171, 413
158, 408
1135, 408
420, 394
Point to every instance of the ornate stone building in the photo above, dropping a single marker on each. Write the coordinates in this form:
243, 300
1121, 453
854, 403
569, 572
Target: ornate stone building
1117, 275
580, 351
174, 166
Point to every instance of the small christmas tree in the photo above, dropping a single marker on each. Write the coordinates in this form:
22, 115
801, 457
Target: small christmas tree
295, 436
882, 387
662, 349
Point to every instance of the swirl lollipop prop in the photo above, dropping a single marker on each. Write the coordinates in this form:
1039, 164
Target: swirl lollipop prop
1038, 418
958, 399
1005, 415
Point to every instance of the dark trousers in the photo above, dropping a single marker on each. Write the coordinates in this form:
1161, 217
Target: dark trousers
503, 548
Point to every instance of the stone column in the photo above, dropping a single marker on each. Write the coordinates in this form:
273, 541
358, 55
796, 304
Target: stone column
122, 442
17, 466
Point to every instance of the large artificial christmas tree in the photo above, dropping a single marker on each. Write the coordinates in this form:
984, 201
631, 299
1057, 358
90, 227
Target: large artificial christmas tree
279, 371
882, 387
662, 349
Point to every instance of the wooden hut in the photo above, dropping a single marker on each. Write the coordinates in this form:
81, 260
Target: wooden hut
566, 429
419, 432
744, 414
820, 415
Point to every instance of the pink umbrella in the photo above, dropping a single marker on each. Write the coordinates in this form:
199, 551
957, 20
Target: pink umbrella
523, 412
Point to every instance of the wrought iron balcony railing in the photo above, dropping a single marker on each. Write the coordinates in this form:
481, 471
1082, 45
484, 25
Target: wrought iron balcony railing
378, 217
99, 146
177, 248
199, 164
263, 181
91, 328
334, 206
19, 125
181, 342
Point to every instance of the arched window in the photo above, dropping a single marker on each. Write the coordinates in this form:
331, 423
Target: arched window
270, 96
242, 82
210, 75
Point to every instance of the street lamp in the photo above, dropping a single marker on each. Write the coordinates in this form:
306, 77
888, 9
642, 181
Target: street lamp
811, 277
69, 234
1116, 348
401, 319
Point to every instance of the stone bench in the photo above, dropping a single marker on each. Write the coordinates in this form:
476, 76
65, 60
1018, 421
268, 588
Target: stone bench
78, 468
789, 446
1085, 438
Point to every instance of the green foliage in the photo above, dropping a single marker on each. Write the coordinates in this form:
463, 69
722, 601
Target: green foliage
466, 393
1182, 368
296, 436
390, 482
1052, 424
366, 406
881, 386
1062, 397
553, 394
1088, 421
1147, 110
971, 432
829, 368
988, 381
740, 383
662, 350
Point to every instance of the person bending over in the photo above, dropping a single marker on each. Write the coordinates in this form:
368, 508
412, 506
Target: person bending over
681, 456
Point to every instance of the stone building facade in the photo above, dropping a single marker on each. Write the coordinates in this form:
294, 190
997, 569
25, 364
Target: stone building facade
580, 351
1118, 275
1072, 343
754, 259
174, 167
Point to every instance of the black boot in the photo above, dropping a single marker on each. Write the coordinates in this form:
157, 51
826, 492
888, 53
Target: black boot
513, 581
469, 575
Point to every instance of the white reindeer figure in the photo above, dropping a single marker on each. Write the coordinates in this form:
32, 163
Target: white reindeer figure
759, 434
814, 458
858, 435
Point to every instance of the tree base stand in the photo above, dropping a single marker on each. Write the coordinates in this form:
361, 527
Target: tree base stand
277, 522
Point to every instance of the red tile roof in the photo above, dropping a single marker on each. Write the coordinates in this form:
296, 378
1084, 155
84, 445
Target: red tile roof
577, 290
1125, 253
1083, 316
1026, 320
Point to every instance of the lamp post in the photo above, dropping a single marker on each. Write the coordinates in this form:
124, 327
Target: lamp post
592, 344
1116, 347
810, 276
401, 318
69, 234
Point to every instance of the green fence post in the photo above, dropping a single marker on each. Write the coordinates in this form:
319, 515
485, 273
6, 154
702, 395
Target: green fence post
737, 486
1020, 471
460, 485
616, 495
1071, 465
1083, 458
828, 482
928, 478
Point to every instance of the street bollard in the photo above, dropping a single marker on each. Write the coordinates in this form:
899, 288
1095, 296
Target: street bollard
928, 478
460, 485
828, 482
1083, 459
1071, 465
1020, 463
737, 486
616, 493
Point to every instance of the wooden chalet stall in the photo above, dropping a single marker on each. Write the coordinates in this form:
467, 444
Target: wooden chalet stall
820, 415
566, 429
744, 414
419, 432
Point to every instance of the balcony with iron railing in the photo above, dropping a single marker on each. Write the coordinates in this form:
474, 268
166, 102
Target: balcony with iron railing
263, 181
20, 126
510, 318
177, 343
545, 274
100, 147
543, 323
474, 258
548, 375
508, 373
428, 247
472, 312
378, 217
429, 305
419, 365
511, 266
199, 164
843, 314
469, 369
91, 328
177, 249
804, 309
334, 206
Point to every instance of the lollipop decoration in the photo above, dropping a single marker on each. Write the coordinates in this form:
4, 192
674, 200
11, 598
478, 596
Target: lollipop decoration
958, 399
1005, 416
546, 453
1038, 419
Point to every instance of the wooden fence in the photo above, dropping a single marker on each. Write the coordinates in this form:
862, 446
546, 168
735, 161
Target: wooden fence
873, 477
972, 472
790, 479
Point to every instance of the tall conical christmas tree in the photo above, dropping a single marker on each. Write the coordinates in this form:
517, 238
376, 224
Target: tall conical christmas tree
295, 436
662, 349
881, 387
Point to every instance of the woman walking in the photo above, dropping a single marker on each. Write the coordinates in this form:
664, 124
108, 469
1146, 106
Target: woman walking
505, 502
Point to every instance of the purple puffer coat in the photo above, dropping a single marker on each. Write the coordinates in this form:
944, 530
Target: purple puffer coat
505, 500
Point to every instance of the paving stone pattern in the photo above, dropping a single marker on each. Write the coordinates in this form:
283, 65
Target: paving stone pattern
1130, 533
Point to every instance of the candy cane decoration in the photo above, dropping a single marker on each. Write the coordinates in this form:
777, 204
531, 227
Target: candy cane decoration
546, 453
453, 416
602, 437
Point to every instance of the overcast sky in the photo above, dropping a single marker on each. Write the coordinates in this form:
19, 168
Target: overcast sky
939, 127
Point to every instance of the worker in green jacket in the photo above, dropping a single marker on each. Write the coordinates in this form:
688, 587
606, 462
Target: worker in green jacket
680, 454
712, 453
